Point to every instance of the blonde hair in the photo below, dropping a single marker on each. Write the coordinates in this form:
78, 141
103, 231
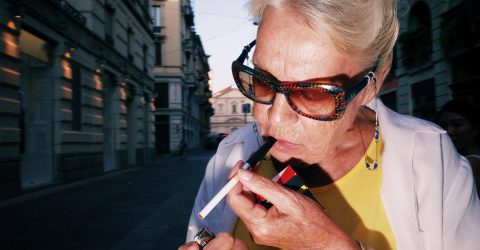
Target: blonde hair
366, 29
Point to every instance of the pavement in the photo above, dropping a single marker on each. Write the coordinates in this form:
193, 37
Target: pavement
144, 207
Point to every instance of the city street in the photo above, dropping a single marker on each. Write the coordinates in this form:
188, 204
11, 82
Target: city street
144, 207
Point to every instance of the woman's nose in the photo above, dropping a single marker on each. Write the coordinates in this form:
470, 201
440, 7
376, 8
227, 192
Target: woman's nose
280, 111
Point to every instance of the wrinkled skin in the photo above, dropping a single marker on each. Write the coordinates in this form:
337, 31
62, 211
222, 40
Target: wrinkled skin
280, 226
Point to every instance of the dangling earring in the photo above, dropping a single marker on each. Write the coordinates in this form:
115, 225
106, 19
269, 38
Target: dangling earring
376, 135
255, 129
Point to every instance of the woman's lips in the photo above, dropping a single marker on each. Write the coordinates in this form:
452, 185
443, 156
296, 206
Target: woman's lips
283, 145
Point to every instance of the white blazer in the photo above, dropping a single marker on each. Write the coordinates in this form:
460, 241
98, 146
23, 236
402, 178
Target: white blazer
428, 189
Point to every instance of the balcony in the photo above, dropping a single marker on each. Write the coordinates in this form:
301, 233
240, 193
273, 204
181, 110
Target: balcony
200, 76
71, 11
159, 31
188, 15
191, 85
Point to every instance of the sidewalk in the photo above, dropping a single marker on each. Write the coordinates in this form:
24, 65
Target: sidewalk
138, 208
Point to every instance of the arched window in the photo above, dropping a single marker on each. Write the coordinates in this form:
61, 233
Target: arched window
417, 41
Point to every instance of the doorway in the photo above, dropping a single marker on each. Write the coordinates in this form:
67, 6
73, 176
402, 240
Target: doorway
109, 123
36, 100
131, 128
162, 134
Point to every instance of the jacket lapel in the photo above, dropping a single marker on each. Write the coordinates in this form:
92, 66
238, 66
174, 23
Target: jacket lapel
398, 187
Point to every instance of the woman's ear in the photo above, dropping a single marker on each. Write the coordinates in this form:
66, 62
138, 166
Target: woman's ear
382, 74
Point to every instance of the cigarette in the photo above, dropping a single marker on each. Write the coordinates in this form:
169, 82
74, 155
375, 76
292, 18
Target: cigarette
218, 197
221, 194
252, 161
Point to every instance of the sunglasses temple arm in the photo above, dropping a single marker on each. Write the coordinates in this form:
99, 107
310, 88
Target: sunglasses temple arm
245, 51
352, 92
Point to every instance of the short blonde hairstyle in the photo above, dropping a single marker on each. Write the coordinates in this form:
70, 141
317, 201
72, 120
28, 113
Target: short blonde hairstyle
366, 29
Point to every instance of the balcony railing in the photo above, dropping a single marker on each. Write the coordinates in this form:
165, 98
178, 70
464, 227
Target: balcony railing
158, 29
188, 15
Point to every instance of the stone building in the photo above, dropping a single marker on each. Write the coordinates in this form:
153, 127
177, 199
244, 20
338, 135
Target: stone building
181, 78
229, 105
436, 54
76, 90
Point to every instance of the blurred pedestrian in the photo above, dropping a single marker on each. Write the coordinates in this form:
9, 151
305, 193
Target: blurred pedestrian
459, 119
183, 148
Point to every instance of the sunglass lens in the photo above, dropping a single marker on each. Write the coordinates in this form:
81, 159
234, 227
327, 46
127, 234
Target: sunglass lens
315, 102
255, 88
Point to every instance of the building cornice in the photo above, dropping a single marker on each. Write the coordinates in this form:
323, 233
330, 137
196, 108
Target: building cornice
139, 18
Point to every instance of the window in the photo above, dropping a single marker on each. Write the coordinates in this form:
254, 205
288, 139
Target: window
162, 99
220, 108
129, 43
156, 16
234, 108
423, 99
145, 58
76, 97
417, 40
109, 24
158, 53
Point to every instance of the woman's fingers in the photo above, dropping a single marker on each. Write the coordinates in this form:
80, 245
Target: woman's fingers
234, 170
192, 245
282, 198
221, 241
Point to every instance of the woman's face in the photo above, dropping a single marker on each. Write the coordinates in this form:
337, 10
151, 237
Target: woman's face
460, 129
288, 49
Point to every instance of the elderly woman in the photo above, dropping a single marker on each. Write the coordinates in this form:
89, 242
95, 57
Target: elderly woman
381, 180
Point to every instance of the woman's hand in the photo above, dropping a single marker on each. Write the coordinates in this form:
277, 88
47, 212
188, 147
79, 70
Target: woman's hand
293, 222
222, 241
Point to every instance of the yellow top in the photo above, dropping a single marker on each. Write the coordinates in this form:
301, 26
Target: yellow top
354, 202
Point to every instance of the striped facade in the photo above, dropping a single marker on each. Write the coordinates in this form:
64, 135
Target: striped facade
76, 90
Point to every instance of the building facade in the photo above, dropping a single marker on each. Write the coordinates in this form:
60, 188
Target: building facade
76, 90
435, 56
181, 78
232, 110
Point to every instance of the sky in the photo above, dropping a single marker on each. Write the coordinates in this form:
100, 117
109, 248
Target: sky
224, 27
